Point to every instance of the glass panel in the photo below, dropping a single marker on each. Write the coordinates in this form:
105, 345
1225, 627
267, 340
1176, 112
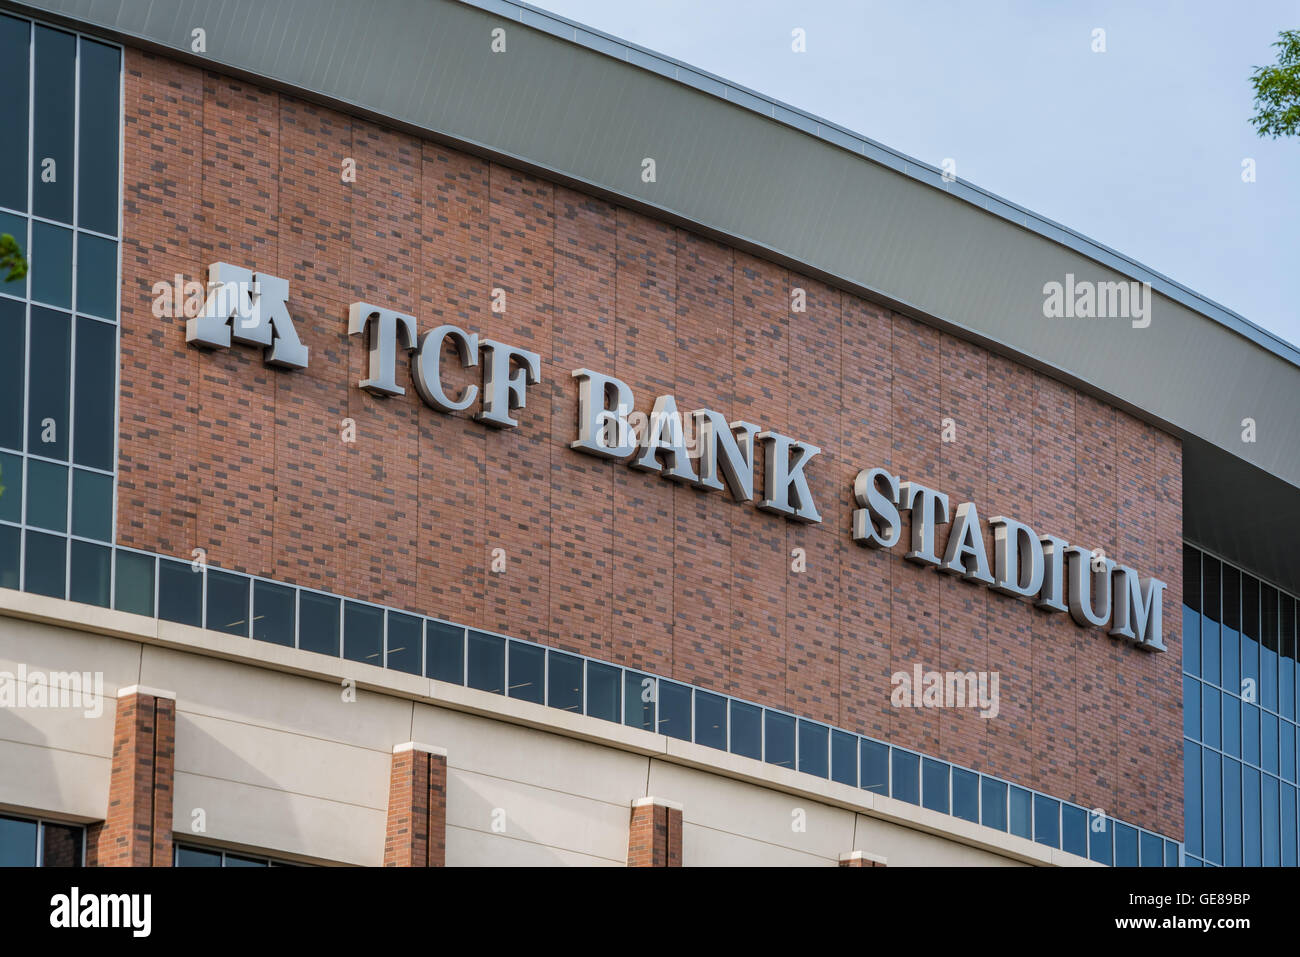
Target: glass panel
52, 124
404, 643
1249, 733
363, 633
1209, 715
180, 592
905, 782
233, 860
50, 265
47, 495
1230, 630
13, 332
564, 682
675, 710
487, 662
11, 539
993, 804
1151, 849
1286, 749
934, 785
874, 758
1047, 821
1249, 636
1126, 846
15, 49
1191, 610
96, 276
445, 655
96, 404
11, 487
1288, 826
45, 567
1171, 854
227, 603
711, 720
273, 613
1192, 797
1231, 725
1074, 830
318, 623
92, 505
844, 758
193, 857
1100, 836
778, 739
17, 842
1250, 809
639, 700
16, 227
1222, 815
1270, 836
1021, 812
133, 589
47, 396
89, 574
527, 672
1268, 627
1210, 569
966, 795
604, 691
814, 744
746, 730
1268, 742
97, 143
1286, 655
1191, 708
61, 845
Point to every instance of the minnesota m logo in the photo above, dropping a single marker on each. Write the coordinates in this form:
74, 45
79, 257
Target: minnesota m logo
251, 308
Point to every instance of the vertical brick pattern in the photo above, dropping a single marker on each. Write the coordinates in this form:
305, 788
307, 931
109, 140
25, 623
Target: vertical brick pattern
220, 452
655, 836
137, 828
416, 834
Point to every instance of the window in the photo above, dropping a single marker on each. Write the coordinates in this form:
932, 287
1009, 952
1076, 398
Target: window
564, 682
318, 623
747, 730
527, 672
934, 785
445, 655
404, 643
227, 603
363, 633
188, 855
993, 804
711, 720
874, 769
604, 691
180, 592
639, 694
34, 843
844, 758
966, 795
675, 710
778, 739
904, 776
814, 743
273, 613
487, 662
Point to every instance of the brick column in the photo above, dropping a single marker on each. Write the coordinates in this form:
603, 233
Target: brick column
862, 859
137, 827
417, 807
654, 837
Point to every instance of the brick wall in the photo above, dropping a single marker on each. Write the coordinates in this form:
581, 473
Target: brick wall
223, 453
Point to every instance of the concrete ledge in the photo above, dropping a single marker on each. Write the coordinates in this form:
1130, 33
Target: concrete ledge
414, 746
656, 802
144, 689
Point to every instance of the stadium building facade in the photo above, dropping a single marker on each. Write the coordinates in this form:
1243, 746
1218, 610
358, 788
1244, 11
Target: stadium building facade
443, 434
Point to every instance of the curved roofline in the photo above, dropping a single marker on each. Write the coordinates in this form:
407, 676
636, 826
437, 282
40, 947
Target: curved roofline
793, 116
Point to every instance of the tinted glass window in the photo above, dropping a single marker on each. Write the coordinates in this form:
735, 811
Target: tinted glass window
1021, 811
446, 652
874, 766
47, 399
11, 481
675, 710
13, 332
227, 603
234, 860
1101, 832
1269, 834
993, 804
97, 144
814, 740
778, 739
193, 857
273, 613
1250, 818
50, 265
180, 593
92, 505
96, 276
318, 623
1192, 797
711, 720
965, 795
363, 633
604, 691
527, 672
17, 842
47, 495
1210, 715
96, 405
564, 682
1249, 733
934, 785
52, 173
10, 551
61, 845
133, 588
1126, 846
487, 662
1210, 569
15, 65
1230, 719
1074, 830
45, 566
746, 730
89, 575
404, 643
639, 693
844, 758
1047, 823
1221, 796
905, 769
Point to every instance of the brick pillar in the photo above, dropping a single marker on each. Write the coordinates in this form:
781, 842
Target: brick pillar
654, 837
137, 827
862, 859
417, 807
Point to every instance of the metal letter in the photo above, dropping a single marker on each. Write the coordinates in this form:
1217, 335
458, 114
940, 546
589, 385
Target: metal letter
594, 392
876, 523
736, 442
1138, 609
1016, 572
784, 480
386, 327
966, 542
924, 519
1089, 589
428, 367
502, 391
1050, 598
257, 305
664, 434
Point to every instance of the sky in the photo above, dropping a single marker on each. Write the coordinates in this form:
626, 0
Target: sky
1140, 147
